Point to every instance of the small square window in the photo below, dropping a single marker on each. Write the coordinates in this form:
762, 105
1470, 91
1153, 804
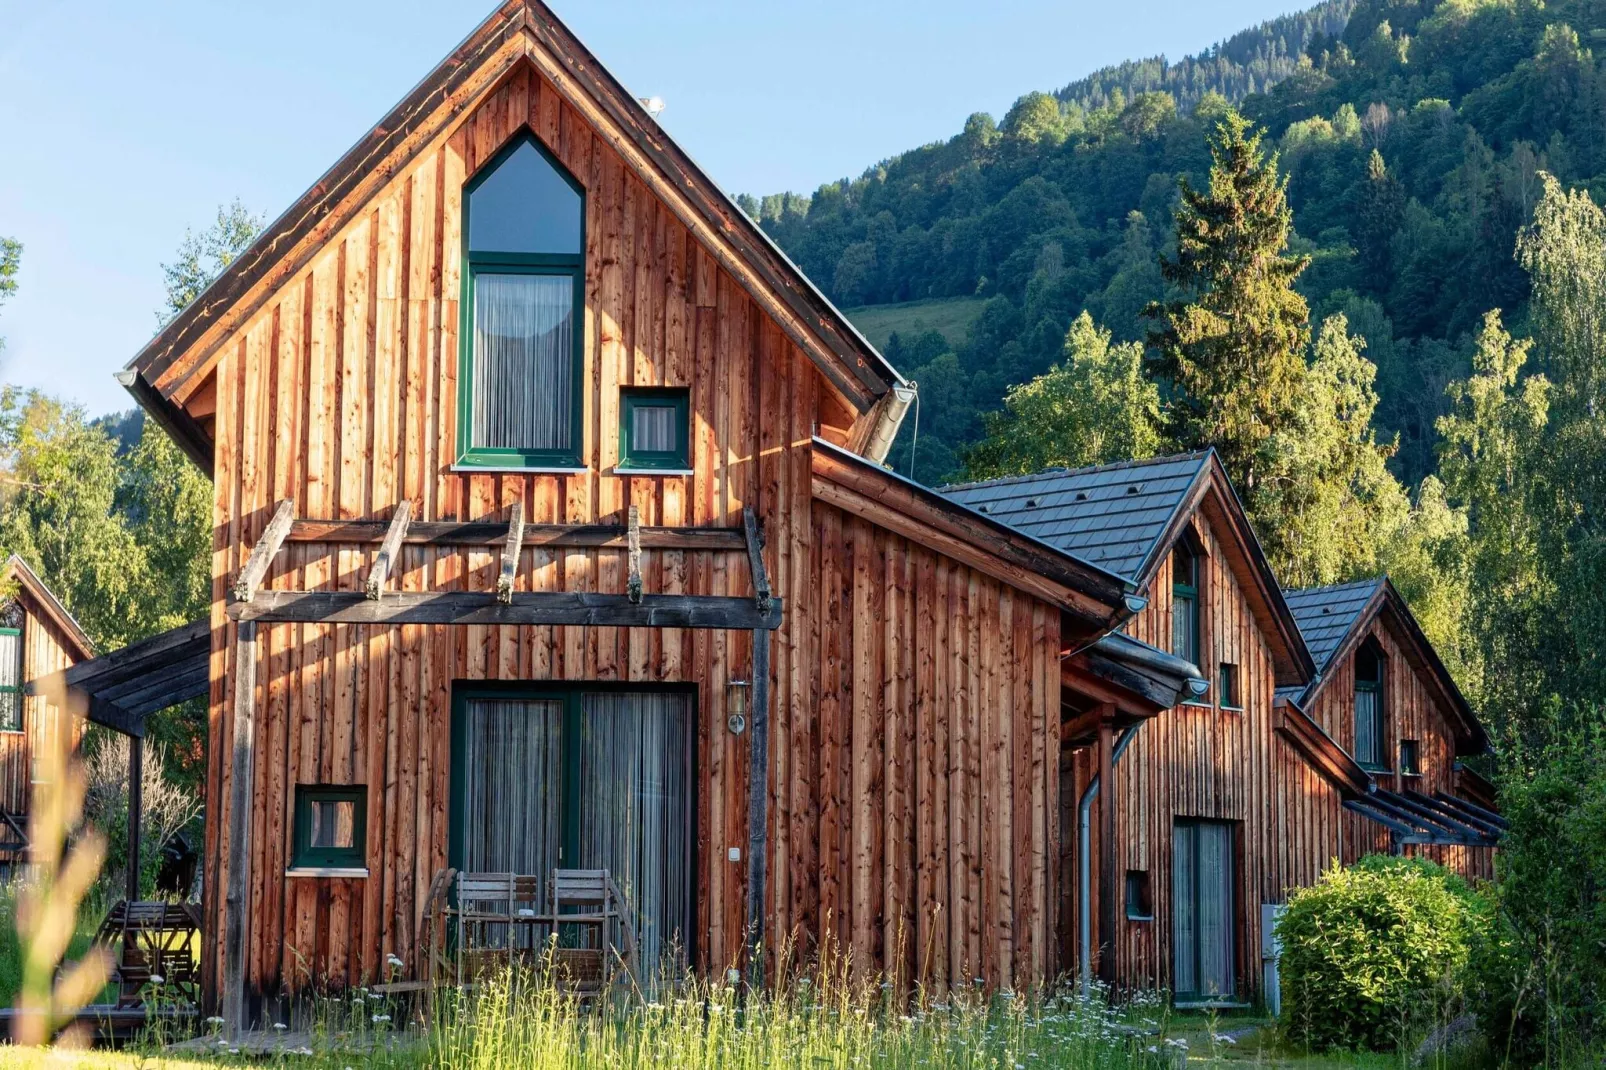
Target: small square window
1139, 907
1410, 758
1227, 685
654, 432
331, 826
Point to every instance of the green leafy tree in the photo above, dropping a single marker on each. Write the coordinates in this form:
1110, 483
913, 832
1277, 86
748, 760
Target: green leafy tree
1382, 207
1094, 407
1233, 349
10, 261
203, 257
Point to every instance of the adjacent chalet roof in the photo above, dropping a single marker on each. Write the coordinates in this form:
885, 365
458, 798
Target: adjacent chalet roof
519, 31
46, 604
121, 689
1125, 517
1333, 620
1116, 516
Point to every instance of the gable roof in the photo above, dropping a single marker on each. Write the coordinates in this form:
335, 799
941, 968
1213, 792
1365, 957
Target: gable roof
1325, 615
1114, 516
519, 31
49, 606
1125, 517
1335, 619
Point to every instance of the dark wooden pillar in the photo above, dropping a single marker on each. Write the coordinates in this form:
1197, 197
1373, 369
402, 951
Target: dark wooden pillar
758, 777
1107, 855
239, 849
136, 808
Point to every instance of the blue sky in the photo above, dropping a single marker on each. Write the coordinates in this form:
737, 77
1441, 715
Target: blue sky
122, 124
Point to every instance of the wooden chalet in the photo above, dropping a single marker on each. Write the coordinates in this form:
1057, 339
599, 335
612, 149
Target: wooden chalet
1255, 783
551, 530
38, 636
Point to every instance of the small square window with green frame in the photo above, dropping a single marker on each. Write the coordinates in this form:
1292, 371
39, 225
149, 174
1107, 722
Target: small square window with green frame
654, 429
10, 679
331, 825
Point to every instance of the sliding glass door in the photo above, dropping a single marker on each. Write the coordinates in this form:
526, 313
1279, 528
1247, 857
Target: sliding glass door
584, 778
1202, 905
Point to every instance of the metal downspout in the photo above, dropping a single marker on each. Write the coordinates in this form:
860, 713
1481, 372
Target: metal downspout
1084, 846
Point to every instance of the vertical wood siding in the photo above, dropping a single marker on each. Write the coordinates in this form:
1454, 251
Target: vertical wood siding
897, 676
44, 650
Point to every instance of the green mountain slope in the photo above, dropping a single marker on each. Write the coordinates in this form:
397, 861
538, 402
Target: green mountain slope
1063, 206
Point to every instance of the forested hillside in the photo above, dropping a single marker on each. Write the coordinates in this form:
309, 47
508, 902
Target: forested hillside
1413, 140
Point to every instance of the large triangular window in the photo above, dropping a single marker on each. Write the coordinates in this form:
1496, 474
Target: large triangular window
523, 313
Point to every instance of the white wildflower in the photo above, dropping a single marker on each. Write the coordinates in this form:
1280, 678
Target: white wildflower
214, 1020
381, 1018
158, 979
280, 1026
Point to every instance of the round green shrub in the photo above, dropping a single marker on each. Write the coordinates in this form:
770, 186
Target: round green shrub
1373, 952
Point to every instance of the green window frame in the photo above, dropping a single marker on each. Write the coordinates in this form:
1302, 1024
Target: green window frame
1369, 714
476, 263
1410, 757
1185, 640
309, 855
1228, 684
1139, 899
631, 456
11, 685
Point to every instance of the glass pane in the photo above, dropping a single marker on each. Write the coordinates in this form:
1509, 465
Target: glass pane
1184, 610
652, 429
11, 711
1184, 938
512, 787
1366, 741
333, 823
1215, 910
523, 361
524, 206
10, 659
635, 809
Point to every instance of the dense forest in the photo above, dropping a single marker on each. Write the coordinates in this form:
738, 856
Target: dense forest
1413, 138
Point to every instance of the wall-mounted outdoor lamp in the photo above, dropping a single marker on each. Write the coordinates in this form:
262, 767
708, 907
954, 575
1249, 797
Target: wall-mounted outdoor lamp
736, 703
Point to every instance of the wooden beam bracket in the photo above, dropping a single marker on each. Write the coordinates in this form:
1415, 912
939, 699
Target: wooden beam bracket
633, 539
256, 566
510, 554
389, 550
762, 595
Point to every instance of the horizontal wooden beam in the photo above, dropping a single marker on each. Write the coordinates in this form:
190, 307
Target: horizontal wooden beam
494, 533
482, 607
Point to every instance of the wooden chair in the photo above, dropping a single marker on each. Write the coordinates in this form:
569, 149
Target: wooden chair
596, 908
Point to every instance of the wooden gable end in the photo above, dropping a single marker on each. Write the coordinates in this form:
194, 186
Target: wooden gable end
520, 69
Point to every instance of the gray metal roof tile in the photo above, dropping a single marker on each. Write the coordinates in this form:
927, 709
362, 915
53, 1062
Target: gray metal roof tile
1325, 615
1110, 515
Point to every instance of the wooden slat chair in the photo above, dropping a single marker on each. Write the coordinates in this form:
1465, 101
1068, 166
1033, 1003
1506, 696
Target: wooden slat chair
597, 909
485, 905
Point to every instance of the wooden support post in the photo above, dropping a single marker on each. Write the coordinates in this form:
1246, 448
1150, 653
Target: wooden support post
241, 772
136, 808
510, 554
1107, 854
758, 794
389, 550
256, 566
633, 541
755, 559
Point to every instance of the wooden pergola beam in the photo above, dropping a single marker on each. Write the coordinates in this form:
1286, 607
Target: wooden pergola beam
389, 550
633, 585
523, 607
256, 566
492, 533
512, 546
755, 559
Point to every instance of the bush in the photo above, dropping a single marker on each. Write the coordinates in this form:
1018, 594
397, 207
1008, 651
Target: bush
1371, 953
1541, 983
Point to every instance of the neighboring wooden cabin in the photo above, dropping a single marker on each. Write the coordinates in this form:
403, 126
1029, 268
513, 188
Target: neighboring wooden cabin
549, 529
1384, 697
37, 637
1233, 797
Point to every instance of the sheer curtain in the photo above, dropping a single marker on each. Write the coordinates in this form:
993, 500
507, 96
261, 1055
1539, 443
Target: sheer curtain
513, 786
1202, 909
635, 806
523, 361
652, 428
1184, 927
1366, 741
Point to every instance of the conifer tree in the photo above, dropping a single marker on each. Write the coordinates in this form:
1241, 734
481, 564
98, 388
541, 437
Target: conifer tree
1233, 351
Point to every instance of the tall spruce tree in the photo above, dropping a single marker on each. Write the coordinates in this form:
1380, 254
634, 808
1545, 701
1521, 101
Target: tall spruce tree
1233, 350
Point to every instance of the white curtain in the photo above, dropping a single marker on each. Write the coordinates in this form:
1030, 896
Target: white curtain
513, 786
523, 361
1367, 746
652, 428
1202, 909
11, 682
635, 808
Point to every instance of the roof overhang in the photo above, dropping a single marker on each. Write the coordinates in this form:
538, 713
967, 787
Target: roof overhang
47, 605
173, 365
121, 689
1094, 599
1139, 680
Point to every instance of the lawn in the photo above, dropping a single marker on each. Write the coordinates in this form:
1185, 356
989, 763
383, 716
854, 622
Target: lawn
949, 316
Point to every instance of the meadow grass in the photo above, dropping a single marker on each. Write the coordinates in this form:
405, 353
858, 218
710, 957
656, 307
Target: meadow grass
949, 316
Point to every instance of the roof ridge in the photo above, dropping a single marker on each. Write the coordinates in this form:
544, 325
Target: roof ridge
1113, 466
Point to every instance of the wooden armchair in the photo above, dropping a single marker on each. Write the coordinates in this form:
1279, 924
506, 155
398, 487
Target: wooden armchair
597, 909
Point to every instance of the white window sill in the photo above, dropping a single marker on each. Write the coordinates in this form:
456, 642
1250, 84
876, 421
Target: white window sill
1232, 709
1198, 705
491, 470
640, 472
327, 871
